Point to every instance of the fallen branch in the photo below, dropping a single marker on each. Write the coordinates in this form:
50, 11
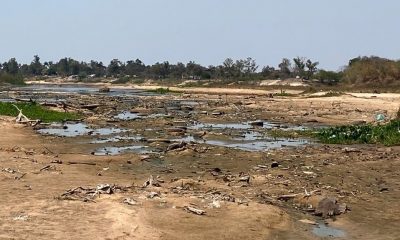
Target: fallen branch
21, 118
195, 210
82, 163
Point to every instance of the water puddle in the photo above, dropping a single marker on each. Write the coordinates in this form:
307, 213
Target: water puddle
126, 115
322, 230
245, 126
253, 143
116, 139
119, 150
77, 129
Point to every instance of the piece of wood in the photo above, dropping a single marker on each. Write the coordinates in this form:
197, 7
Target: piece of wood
195, 210
82, 163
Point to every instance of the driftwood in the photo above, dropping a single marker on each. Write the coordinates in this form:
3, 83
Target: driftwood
21, 118
81, 163
89, 194
195, 210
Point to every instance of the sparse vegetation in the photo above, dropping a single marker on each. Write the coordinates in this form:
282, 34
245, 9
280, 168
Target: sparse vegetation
161, 90
6, 78
280, 133
36, 111
387, 134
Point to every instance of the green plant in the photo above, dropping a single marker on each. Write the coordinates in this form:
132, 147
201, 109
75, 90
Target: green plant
160, 90
387, 134
11, 79
35, 111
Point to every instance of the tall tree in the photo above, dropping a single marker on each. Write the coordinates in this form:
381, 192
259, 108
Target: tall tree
299, 66
11, 67
285, 68
311, 68
36, 67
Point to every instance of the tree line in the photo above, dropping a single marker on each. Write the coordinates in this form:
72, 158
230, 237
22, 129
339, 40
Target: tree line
229, 69
360, 70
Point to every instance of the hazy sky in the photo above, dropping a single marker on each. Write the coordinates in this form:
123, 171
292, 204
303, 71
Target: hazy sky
206, 31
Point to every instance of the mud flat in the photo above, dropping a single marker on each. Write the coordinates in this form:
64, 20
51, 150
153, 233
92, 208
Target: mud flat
209, 162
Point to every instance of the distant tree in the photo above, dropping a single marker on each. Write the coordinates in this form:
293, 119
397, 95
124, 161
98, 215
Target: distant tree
11, 67
373, 71
299, 66
115, 67
97, 68
63, 67
228, 68
50, 68
311, 68
268, 72
136, 67
36, 67
194, 70
160, 70
250, 66
285, 68
329, 77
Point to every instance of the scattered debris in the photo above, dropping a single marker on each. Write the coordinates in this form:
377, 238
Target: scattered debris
130, 201
89, 194
195, 210
306, 221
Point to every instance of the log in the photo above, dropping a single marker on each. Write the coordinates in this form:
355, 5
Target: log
195, 210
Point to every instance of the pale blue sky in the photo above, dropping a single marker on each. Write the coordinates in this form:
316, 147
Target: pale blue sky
206, 31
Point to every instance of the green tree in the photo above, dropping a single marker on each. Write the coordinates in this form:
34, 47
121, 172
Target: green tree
299, 66
311, 68
36, 67
285, 68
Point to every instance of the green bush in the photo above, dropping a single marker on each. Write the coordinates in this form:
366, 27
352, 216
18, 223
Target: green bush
11, 79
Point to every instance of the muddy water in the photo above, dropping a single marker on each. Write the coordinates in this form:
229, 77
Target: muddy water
324, 231
41, 92
232, 135
77, 129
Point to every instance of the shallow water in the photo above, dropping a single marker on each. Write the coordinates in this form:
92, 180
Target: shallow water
253, 143
116, 139
80, 89
244, 126
125, 149
77, 129
126, 116
322, 230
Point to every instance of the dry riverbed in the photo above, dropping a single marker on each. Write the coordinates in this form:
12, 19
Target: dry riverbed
197, 166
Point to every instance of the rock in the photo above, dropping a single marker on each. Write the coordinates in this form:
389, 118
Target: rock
104, 90
306, 221
176, 130
175, 146
130, 201
216, 113
257, 123
274, 164
144, 157
329, 207
358, 123
350, 150
153, 195
195, 210
216, 204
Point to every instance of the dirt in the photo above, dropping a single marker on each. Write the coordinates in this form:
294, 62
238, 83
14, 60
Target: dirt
238, 190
